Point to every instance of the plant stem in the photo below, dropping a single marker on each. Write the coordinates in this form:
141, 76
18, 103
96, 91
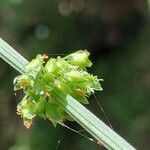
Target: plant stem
104, 134
12, 57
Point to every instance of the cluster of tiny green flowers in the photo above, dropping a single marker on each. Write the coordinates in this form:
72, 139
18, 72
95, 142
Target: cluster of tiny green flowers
67, 73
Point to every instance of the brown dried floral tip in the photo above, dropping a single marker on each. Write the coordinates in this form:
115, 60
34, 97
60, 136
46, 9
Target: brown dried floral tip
45, 57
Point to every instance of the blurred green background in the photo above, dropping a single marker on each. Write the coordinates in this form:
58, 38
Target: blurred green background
116, 32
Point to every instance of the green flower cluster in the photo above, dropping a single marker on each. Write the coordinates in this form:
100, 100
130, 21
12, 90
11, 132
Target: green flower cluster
69, 74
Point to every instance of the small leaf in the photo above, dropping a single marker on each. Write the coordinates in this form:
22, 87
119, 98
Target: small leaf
52, 113
40, 106
39, 83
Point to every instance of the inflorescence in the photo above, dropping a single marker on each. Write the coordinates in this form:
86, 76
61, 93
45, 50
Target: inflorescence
68, 73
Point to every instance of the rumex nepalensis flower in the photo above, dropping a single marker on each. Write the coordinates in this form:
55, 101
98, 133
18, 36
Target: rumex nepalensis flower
67, 73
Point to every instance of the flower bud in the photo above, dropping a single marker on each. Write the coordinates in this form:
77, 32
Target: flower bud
50, 66
80, 58
35, 65
74, 76
21, 82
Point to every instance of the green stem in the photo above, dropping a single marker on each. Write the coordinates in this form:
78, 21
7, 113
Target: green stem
104, 134
12, 57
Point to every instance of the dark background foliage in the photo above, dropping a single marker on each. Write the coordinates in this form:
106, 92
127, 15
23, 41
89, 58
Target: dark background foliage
116, 32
